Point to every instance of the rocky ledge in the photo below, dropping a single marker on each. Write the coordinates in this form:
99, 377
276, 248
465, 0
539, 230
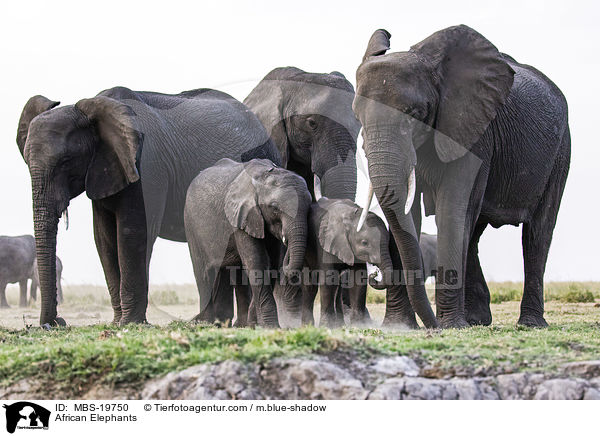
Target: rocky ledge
383, 378
340, 376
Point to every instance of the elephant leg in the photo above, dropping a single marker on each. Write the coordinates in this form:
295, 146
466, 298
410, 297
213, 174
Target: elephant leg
328, 297
357, 299
242, 297
23, 293
458, 203
3, 302
477, 294
339, 307
309, 293
398, 311
59, 291
223, 298
105, 236
256, 261
134, 255
33, 287
290, 300
536, 239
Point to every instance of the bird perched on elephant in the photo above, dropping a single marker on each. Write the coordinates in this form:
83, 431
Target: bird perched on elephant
234, 213
339, 253
309, 118
134, 154
484, 140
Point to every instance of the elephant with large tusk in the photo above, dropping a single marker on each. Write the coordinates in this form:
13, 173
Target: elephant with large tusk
483, 139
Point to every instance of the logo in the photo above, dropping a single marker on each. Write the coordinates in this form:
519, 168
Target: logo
26, 415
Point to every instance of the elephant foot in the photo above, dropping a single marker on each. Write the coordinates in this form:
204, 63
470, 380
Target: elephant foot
458, 322
57, 322
479, 317
124, 321
535, 321
409, 323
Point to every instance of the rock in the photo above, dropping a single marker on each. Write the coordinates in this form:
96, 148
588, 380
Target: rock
223, 381
518, 386
418, 388
391, 389
296, 379
585, 369
560, 389
591, 394
394, 366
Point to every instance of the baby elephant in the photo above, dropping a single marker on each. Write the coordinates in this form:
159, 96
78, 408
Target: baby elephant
238, 215
340, 253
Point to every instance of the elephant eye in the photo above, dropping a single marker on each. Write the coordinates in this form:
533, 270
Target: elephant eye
274, 205
364, 242
311, 123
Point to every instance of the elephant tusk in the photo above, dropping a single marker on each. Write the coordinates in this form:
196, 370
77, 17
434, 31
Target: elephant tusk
283, 239
65, 216
365, 211
317, 188
412, 187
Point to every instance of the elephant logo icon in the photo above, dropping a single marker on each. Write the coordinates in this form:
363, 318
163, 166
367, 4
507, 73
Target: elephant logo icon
26, 415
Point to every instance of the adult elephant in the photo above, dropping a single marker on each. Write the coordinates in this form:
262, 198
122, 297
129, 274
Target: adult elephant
488, 141
17, 255
134, 154
309, 118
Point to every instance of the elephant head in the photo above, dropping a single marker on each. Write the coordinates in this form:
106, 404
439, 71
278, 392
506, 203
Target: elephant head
90, 146
442, 94
338, 236
265, 197
309, 118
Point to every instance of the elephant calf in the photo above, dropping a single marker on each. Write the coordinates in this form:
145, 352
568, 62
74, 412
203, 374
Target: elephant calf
237, 215
335, 248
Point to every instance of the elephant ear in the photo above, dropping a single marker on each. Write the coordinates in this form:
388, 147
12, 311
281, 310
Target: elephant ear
475, 81
378, 44
241, 206
34, 106
267, 103
333, 234
113, 165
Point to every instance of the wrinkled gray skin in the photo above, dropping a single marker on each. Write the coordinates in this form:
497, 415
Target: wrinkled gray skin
233, 214
428, 245
134, 154
335, 245
309, 118
489, 141
17, 255
35, 281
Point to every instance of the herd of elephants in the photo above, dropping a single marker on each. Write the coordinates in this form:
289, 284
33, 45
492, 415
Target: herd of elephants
264, 190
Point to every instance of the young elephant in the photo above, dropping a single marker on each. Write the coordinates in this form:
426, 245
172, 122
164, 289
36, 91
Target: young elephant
334, 247
235, 214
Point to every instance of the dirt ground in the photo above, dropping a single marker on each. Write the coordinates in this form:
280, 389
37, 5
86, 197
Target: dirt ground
88, 305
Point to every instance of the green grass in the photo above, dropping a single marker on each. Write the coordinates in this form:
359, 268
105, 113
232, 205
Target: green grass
75, 358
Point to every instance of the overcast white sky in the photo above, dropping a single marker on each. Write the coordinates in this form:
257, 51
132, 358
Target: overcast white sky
68, 51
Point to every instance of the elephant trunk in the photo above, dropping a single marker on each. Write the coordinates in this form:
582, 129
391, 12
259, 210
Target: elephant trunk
390, 169
340, 180
295, 234
386, 267
45, 221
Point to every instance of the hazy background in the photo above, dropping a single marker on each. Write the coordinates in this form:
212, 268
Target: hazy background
68, 51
